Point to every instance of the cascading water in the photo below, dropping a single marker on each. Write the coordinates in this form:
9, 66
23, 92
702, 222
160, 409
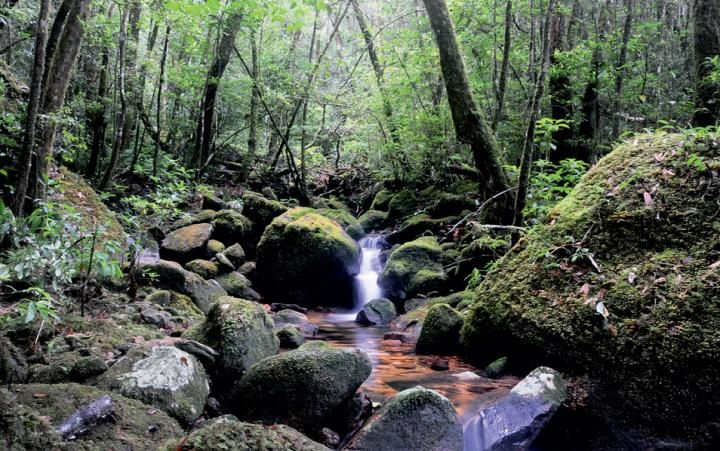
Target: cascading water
366, 282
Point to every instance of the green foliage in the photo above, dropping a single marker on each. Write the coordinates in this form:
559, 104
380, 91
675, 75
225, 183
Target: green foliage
544, 129
549, 183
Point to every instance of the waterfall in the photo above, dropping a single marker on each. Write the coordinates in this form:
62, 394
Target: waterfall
366, 286
474, 433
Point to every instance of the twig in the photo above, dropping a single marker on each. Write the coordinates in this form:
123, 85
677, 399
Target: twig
481, 208
86, 417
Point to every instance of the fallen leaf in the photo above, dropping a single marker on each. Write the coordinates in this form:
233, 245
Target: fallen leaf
585, 289
648, 199
631, 278
40, 395
659, 157
600, 308
184, 361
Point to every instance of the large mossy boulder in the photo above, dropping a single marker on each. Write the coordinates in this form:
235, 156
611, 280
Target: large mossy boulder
230, 226
230, 434
22, 429
402, 205
307, 258
413, 268
620, 283
134, 425
373, 220
260, 210
186, 243
440, 333
347, 221
377, 312
419, 225
300, 388
241, 331
415, 419
381, 200
172, 276
238, 286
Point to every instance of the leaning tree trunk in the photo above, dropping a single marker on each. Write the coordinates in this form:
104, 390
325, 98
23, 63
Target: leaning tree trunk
707, 45
28, 148
58, 79
502, 81
470, 125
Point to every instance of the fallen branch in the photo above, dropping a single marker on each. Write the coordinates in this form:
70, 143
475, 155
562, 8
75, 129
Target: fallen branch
87, 417
480, 209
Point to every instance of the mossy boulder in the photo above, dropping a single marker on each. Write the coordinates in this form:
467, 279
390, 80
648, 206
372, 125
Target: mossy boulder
22, 429
382, 200
415, 419
402, 205
13, 366
176, 303
419, 225
347, 221
203, 268
172, 276
241, 331
440, 332
449, 204
213, 202
230, 434
300, 388
373, 220
214, 247
260, 210
237, 285
230, 226
478, 254
134, 426
288, 317
377, 312
236, 255
290, 337
620, 283
413, 268
186, 243
309, 258
165, 377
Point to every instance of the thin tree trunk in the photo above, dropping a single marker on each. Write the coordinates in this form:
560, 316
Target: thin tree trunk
529, 144
707, 45
33, 108
561, 94
470, 125
158, 117
54, 38
620, 70
502, 81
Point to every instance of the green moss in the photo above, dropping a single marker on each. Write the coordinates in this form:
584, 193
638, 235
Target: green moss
402, 205
413, 268
203, 268
182, 304
382, 200
260, 210
214, 247
231, 226
21, 428
373, 220
347, 221
649, 263
440, 332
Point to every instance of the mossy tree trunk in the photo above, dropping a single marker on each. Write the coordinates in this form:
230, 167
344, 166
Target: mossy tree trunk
706, 35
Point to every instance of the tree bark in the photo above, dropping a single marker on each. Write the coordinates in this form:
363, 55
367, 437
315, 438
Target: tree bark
560, 91
158, 113
33, 108
706, 36
470, 125
54, 38
252, 133
502, 80
620, 70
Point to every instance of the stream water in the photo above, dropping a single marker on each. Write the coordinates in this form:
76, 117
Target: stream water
395, 365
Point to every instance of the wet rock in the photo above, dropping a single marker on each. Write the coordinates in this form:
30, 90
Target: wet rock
377, 312
238, 286
497, 368
228, 433
301, 388
172, 276
440, 365
402, 205
309, 258
413, 268
329, 438
236, 255
517, 419
277, 306
440, 332
186, 243
13, 366
414, 419
214, 247
231, 227
290, 337
373, 220
297, 319
240, 331
213, 202
165, 377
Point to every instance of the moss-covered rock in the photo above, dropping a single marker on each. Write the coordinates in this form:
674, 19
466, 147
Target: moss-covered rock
290, 337
300, 388
373, 220
449, 204
165, 377
236, 255
621, 283
214, 247
186, 243
176, 303
308, 258
415, 419
413, 268
134, 425
287, 317
241, 331
238, 286
213, 202
478, 254
440, 332
13, 366
402, 204
172, 276
22, 429
382, 200
346, 220
261, 211
203, 268
377, 312
419, 225
229, 434
231, 227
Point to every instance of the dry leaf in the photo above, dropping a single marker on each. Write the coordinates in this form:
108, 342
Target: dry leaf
659, 157
648, 199
585, 289
40, 395
631, 278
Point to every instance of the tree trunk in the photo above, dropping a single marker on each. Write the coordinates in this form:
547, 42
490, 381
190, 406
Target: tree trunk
58, 79
707, 45
502, 81
620, 70
54, 38
470, 125
252, 133
158, 113
529, 144
33, 108
560, 91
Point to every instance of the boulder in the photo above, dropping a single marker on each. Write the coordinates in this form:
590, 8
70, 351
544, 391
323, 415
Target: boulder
496, 368
440, 333
172, 276
228, 433
175, 303
288, 317
134, 425
346, 220
478, 254
402, 205
238, 286
449, 204
300, 388
235, 254
13, 366
382, 200
415, 419
240, 331
269, 193
419, 225
377, 312
213, 202
619, 283
290, 337
231, 227
165, 377
186, 243
373, 220
261, 211
203, 268
515, 421
224, 264
308, 258
21, 428
214, 247
413, 268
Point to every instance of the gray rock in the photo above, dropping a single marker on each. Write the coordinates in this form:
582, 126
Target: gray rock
415, 419
159, 318
236, 255
172, 276
290, 337
301, 388
224, 263
516, 420
237, 285
168, 378
13, 367
294, 318
186, 243
377, 312
440, 333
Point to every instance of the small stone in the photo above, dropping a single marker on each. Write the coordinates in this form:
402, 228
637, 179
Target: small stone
440, 365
